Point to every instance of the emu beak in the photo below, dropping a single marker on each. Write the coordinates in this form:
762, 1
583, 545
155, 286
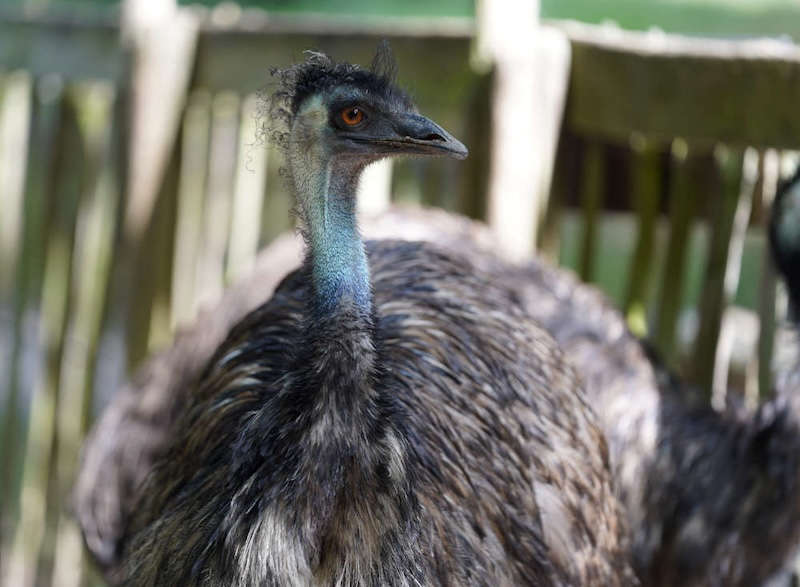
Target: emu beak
416, 135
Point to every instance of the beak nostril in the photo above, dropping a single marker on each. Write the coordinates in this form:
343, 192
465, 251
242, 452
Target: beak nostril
433, 137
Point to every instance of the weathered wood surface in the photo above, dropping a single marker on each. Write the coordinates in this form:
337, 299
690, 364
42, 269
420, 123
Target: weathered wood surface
646, 181
729, 220
34, 542
240, 58
75, 48
531, 74
664, 86
29, 271
770, 172
593, 185
688, 170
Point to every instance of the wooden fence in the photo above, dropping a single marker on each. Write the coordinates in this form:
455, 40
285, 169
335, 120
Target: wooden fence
707, 114
97, 266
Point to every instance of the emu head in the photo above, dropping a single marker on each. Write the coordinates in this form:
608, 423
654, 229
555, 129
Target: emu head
339, 119
342, 110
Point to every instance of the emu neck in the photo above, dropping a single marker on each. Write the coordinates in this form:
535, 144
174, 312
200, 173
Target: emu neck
336, 251
336, 259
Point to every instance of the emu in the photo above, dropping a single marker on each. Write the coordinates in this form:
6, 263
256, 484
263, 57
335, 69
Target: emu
692, 481
391, 416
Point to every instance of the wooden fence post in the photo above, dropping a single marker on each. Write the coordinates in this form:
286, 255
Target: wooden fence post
34, 543
531, 71
646, 195
593, 185
729, 224
163, 39
770, 173
686, 169
46, 111
20, 98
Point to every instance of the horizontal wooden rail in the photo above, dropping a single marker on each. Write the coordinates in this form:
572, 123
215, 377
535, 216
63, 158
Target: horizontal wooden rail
742, 92
73, 48
228, 59
260, 22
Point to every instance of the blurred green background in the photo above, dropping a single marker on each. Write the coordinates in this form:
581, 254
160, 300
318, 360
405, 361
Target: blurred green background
703, 17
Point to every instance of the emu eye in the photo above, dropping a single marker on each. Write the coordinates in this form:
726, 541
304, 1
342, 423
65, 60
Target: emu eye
352, 116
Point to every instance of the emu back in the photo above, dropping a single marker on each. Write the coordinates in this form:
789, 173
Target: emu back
470, 458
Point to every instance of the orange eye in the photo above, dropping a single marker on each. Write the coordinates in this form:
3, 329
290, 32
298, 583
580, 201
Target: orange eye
352, 116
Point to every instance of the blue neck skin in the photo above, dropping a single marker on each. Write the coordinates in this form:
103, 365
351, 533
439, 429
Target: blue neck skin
336, 252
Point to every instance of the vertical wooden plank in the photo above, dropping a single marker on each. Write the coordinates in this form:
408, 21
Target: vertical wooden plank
473, 178
117, 298
113, 184
137, 300
149, 310
686, 171
277, 199
92, 260
5, 366
115, 173
565, 183
210, 271
646, 192
45, 118
160, 250
768, 286
14, 119
729, 220
191, 198
40, 499
531, 70
592, 191
15, 122
164, 39
58, 298
251, 173
5, 272
767, 325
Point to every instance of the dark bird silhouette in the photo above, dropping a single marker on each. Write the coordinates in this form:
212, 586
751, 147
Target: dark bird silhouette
712, 498
391, 416
784, 238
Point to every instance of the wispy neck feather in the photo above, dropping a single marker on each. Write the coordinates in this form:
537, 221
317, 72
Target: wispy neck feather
326, 196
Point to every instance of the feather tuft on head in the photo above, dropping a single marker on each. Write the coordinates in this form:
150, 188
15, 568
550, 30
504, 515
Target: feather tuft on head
318, 73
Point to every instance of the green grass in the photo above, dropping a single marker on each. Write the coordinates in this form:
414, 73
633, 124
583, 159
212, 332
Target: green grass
707, 17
